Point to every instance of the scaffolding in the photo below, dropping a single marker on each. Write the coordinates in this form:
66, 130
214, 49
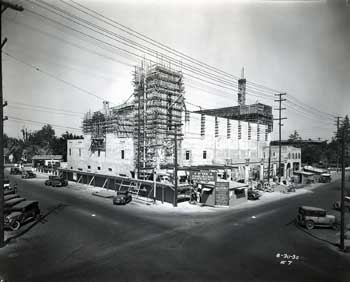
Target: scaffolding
158, 104
117, 120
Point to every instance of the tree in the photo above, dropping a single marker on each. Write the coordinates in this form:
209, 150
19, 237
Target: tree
294, 137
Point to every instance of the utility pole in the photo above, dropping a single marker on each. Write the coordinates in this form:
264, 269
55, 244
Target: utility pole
269, 165
280, 118
338, 144
342, 208
3, 6
175, 126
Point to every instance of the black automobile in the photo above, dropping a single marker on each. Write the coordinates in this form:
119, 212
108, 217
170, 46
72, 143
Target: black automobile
122, 198
9, 204
253, 195
15, 171
28, 174
56, 181
22, 213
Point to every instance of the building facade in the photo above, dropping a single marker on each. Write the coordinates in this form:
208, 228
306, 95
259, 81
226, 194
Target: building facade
139, 137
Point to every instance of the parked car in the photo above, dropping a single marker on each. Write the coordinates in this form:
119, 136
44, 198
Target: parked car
28, 174
253, 195
336, 204
56, 181
22, 213
9, 204
10, 196
312, 216
122, 198
15, 171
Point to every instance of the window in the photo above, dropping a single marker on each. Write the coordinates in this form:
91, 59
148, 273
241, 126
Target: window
89, 166
239, 130
80, 169
288, 155
79, 152
273, 154
70, 151
204, 155
187, 155
202, 125
249, 132
216, 127
71, 167
292, 155
299, 155
109, 169
122, 154
258, 133
98, 153
228, 129
99, 168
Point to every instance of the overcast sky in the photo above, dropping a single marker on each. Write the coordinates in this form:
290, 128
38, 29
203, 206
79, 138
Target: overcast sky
298, 47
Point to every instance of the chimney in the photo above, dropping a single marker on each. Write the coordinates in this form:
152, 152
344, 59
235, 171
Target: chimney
105, 108
241, 89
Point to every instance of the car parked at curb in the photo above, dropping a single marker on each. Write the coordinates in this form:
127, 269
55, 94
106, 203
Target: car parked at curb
253, 194
313, 216
15, 171
22, 213
337, 205
56, 181
28, 174
122, 198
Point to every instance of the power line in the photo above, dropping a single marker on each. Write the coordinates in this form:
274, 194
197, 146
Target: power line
53, 76
43, 123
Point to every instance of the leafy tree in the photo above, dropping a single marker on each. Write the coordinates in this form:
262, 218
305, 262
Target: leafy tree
294, 137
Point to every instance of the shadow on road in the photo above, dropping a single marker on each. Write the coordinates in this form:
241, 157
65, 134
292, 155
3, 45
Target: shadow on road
30, 225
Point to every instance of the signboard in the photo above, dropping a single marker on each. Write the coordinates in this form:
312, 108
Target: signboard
222, 195
203, 176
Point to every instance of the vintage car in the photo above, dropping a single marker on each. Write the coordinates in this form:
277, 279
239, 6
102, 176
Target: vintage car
336, 204
253, 194
28, 174
15, 171
312, 216
9, 204
21, 213
56, 181
122, 198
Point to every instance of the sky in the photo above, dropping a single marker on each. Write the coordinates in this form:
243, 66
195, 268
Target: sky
53, 74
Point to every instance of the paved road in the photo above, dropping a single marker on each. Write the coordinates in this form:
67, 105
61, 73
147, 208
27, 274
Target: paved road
84, 238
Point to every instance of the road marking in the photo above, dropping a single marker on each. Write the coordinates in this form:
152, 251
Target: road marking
253, 216
93, 214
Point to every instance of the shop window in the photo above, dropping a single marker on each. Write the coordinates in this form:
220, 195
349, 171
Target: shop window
122, 154
187, 155
204, 155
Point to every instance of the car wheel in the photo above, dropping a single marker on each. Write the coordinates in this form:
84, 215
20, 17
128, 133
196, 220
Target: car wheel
336, 205
309, 224
16, 225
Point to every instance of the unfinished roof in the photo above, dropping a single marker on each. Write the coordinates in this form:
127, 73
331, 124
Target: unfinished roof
256, 113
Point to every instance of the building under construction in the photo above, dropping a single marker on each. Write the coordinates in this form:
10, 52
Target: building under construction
138, 137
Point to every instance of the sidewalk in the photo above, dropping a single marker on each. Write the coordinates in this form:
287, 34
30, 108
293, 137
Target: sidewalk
186, 207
